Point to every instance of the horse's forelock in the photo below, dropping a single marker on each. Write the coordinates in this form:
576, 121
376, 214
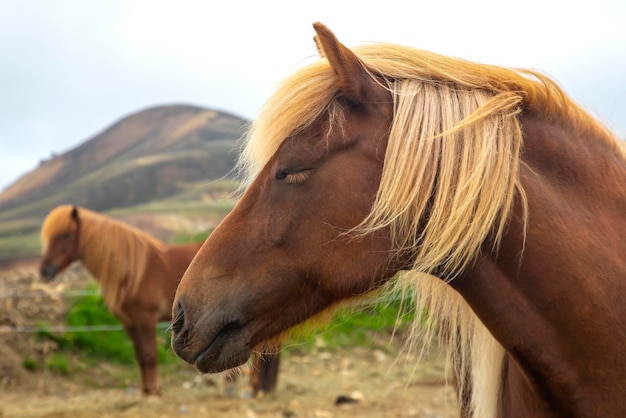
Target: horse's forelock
58, 221
297, 102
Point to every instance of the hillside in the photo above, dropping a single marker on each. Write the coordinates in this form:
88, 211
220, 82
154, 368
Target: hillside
148, 156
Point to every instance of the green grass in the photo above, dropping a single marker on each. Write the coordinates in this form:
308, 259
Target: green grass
22, 226
369, 326
19, 245
30, 364
59, 363
183, 237
114, 345
183, 208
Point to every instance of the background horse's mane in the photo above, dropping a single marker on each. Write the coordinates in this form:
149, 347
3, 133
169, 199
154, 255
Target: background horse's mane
116, 254
453, 154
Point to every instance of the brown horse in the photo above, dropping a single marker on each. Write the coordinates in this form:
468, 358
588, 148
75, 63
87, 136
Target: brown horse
503, 202
138, 275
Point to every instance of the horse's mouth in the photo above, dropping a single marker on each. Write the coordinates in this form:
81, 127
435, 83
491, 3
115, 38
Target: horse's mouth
227, 350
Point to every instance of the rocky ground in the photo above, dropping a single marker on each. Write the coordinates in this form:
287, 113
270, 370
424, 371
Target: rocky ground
372, 382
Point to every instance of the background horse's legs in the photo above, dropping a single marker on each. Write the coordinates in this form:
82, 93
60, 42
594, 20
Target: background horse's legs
230, 382
144, 340
264, 374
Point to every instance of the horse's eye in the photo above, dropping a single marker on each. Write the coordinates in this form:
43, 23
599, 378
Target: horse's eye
294, 177
64, 237
298, 178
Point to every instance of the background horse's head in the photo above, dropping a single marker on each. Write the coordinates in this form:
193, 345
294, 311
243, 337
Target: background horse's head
59, 236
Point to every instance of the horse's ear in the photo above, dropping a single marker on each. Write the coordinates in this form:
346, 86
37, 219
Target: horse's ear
354, 80
74, 214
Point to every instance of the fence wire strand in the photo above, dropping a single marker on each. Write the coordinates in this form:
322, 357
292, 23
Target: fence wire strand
66, 329
68, 294
61, 329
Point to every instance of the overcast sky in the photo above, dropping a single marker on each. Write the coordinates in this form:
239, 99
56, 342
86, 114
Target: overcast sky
70, 68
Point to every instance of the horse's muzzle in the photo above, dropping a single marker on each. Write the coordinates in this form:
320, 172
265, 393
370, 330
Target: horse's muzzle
211, 346
48, 272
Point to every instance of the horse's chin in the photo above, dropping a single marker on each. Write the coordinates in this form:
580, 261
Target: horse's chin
212, 361
228, 349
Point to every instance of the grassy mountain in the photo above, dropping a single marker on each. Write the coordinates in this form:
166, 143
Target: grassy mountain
161, 153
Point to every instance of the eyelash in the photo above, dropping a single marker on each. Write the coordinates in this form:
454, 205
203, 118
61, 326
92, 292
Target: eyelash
296, 178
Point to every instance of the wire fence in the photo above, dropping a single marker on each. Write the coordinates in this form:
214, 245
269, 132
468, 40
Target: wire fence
63, 329
60, 329
66, 294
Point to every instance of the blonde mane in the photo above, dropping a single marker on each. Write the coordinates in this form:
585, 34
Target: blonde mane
449, 180
115, 254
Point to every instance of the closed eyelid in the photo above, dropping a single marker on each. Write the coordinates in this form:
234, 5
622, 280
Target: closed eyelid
298, 177
63, 237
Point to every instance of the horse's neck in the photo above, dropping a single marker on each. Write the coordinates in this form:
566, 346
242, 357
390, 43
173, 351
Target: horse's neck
554, 299
179, 256
118, 266
97, 259
579, 159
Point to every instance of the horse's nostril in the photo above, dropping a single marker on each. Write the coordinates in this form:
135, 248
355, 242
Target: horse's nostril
178, 318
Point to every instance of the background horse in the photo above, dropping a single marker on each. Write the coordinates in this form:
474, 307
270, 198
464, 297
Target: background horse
502, 201
138, 275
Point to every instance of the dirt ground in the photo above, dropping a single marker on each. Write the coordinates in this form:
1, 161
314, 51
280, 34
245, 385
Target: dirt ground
376, 382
